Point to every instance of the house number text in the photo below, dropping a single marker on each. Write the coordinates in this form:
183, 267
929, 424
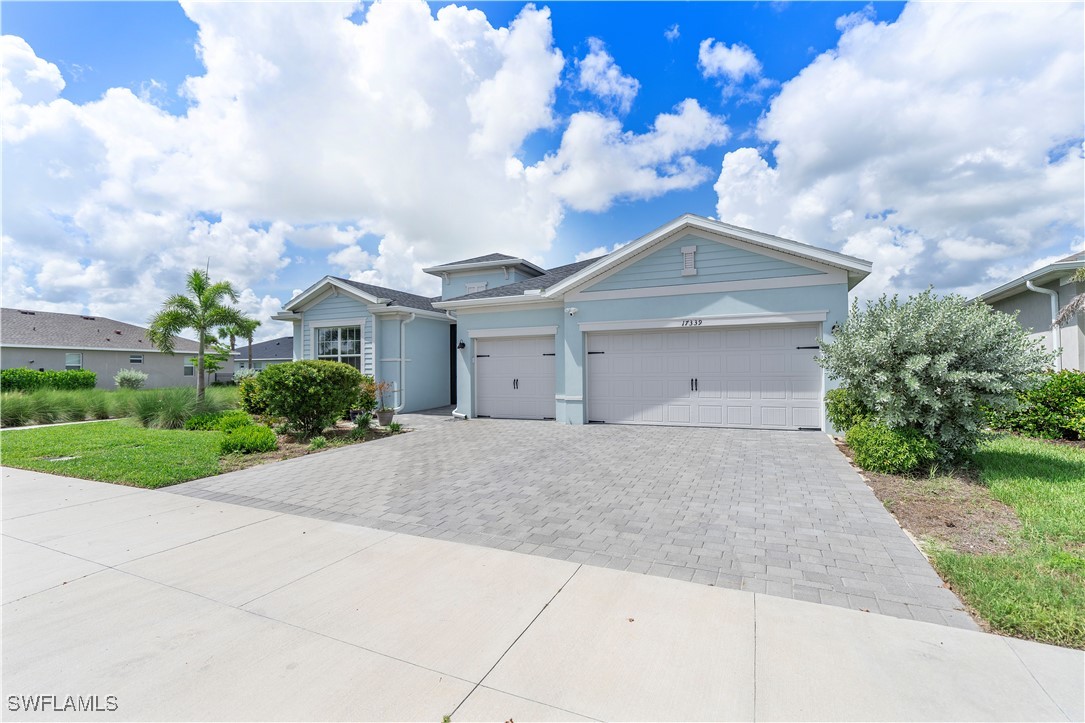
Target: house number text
691, 322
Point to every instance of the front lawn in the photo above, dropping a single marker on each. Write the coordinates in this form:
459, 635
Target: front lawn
124, 452
1007, 536
114, 452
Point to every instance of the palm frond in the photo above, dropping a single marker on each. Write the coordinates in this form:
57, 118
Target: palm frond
1075, 306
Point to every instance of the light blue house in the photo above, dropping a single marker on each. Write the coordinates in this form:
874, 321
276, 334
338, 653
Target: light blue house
698, 323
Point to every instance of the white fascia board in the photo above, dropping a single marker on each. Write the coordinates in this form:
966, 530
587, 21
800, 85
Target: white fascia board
510, 263
378, 310
797, 317
1038, 276
74, 349
286, 316
326, 284
854, 266
779, 282
514, 331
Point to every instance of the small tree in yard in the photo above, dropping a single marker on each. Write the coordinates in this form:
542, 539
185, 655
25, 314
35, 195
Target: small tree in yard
202, 310
932, 364
310, 395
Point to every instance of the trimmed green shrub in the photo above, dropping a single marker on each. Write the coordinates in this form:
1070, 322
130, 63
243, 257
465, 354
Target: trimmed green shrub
879, 448
309, 395
29, 380
933, 363
218, 421
251, 396
317, 443
844, 410
249, 439
130, 379
1052, 410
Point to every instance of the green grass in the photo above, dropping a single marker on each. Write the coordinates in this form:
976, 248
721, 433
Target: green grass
167, 408
1038, 590
114, 452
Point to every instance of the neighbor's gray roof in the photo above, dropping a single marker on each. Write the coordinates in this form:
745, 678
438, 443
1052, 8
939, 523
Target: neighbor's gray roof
548, 279
75, 331
1041, 275
398, 298
281, 348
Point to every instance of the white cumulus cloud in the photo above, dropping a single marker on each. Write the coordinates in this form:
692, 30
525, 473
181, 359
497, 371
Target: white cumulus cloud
939, 145
734, 63
600, 75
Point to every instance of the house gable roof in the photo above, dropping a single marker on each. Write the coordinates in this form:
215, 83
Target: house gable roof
1062, 267
857, 269
366, 293
47, 329
281, 348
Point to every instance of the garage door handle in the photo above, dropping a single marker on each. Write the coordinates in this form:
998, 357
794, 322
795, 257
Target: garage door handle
691, 384
815, 346
696, 384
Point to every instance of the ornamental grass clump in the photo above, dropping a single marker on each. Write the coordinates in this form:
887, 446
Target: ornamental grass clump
933, 364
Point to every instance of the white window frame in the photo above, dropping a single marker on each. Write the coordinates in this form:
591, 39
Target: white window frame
338, 326
135, 358
68, 366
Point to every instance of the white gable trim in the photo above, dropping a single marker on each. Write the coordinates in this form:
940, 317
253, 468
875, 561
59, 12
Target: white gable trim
834, 276
326, 287
749, 239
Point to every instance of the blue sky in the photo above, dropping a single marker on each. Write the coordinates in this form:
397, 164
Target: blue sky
841, 99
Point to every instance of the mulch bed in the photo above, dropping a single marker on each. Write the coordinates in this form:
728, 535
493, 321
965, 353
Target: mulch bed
954, 509
290, 446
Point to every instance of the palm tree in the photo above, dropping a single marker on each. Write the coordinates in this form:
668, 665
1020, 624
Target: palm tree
1075, 304
202, 310
246, 329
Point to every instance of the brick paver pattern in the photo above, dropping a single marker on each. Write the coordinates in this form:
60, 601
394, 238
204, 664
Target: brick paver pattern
775, 512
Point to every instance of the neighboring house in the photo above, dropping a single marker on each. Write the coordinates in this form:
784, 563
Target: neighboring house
265, 353
1037, 297
698, 323
47, 340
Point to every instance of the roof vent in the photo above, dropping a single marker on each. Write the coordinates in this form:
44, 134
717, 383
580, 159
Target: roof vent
28, 313
117, 332
89, 318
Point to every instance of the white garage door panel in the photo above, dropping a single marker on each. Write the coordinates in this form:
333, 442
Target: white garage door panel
752, 377
514, 377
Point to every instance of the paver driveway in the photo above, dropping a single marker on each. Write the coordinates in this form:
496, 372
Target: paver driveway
781, 513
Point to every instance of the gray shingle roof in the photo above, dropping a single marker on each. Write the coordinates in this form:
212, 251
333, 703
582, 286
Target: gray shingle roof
1079, 256
398, 298
76, 331
479, 260
551, 277
281, 348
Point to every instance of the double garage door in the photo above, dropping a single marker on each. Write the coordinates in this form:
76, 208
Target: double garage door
756, 377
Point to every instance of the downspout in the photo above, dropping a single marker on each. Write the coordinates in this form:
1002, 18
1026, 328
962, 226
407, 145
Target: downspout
1056, 330
456, 413
403, 363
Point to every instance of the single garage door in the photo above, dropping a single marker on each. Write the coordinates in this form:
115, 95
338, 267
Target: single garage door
515, 377
758, 377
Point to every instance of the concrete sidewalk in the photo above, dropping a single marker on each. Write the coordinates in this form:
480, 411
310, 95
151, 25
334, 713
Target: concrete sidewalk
188, 609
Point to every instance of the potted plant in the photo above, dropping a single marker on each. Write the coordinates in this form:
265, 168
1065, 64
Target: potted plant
384, 412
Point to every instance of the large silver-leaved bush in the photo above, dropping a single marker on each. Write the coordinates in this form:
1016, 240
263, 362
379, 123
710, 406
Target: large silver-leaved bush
932, 363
